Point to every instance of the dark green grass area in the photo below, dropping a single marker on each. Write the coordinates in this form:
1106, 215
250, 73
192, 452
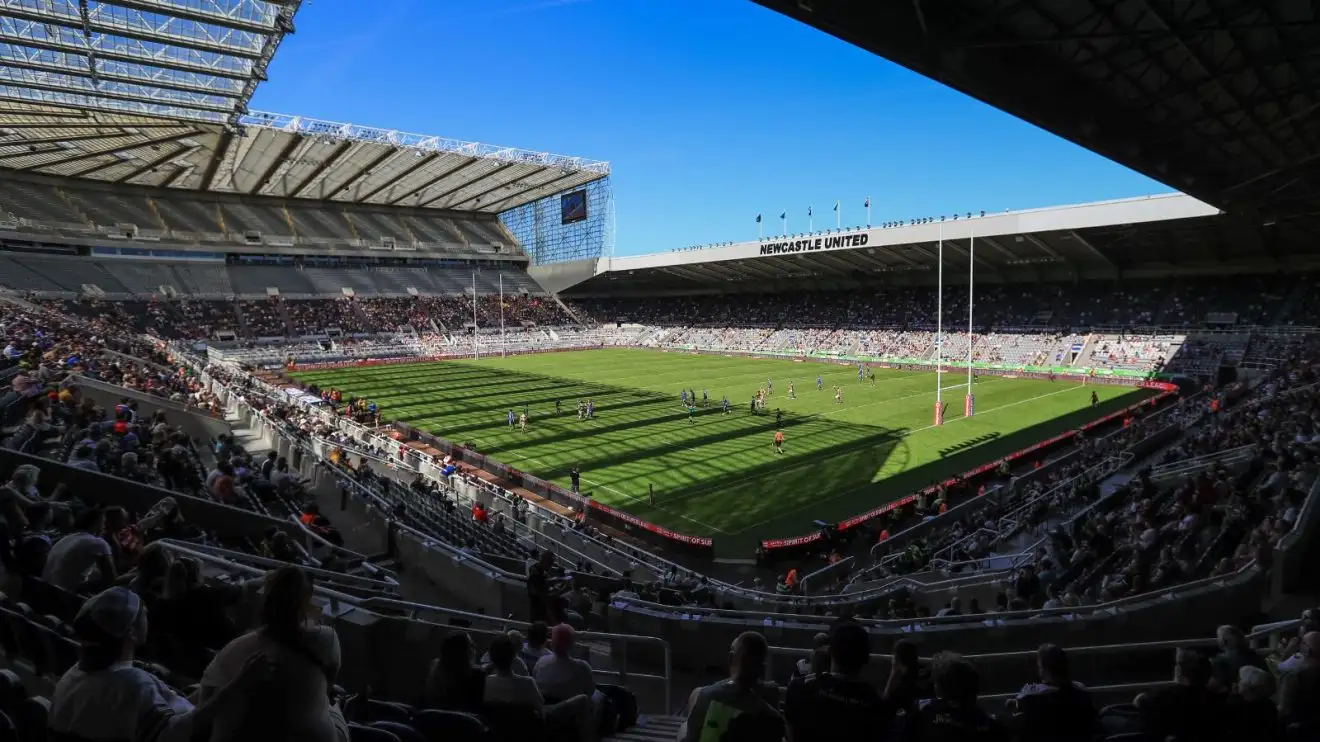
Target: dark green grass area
715, 474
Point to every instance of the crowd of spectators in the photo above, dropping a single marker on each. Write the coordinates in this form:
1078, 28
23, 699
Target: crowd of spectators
281, 674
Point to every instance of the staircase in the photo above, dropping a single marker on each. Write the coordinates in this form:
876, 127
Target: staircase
571, 314
1085, 352
243, 330
286, 319
73, 205
155, 212
650, 729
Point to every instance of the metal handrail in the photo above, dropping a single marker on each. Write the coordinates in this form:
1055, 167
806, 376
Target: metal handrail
1200, 463
414, 610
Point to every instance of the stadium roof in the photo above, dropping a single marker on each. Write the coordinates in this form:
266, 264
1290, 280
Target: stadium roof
1158, 234
1216, 98
285, 156
155, 92
184, 59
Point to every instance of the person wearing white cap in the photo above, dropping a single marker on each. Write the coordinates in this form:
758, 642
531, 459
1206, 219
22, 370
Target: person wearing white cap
106, 697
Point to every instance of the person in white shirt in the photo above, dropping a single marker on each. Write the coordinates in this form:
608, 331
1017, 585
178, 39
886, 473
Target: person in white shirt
506, 688
306, 659
560, 676
72, 559
106, 697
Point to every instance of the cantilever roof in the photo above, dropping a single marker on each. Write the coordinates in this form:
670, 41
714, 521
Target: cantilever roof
282, 156
1217, 98
197, 60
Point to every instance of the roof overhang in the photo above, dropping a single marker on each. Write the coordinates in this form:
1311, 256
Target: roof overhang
1216, 98
282, 156
194, 60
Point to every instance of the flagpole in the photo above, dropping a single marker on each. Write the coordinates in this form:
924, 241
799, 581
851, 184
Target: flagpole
784, 217
503, 342
868, 211
939, 331
838, 215
475, 352
811, 221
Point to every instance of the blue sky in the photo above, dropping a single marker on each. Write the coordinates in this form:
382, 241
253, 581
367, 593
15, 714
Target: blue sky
709, 111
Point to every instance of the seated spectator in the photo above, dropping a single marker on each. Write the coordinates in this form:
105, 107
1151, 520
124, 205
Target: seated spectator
953, 714
1251, 711
1235, 652
520, 667
506, 688
107, 697
1299, 685
559, 675
733, 710
532, 652
82, 557
1188, 709
1056, 709
908, 683
837, 704
454, 683
295, 703
83, 459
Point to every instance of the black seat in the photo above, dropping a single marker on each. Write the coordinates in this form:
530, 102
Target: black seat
32, 717
515, 723
359, 733
12, 691
449, 726
404, 732
377, 710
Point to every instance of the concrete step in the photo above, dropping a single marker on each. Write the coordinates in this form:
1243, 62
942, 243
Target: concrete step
650, 729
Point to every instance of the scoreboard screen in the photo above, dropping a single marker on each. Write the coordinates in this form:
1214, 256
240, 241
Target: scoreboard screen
573, 207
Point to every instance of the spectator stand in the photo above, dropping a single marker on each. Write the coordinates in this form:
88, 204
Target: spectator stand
664, 611
419, 549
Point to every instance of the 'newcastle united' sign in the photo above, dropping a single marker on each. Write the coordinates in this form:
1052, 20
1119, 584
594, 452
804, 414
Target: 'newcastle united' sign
810, 244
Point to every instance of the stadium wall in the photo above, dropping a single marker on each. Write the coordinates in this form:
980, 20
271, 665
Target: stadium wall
556, 277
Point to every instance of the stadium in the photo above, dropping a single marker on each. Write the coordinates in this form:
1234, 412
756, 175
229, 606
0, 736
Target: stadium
386, 439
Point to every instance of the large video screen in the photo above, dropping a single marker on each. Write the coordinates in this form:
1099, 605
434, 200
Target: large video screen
573, 207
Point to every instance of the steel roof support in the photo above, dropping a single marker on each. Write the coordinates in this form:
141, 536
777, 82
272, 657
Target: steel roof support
97, 105
492, 205
110, 95
340, 150
197, 15
1092, 249
280, 159
492, 172
420, 163
437, 179
81, 156
109, 76
367, 169
217, 156
153, 163
91, 24
118, 56
496, 188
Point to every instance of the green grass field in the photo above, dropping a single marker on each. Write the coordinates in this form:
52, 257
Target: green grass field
718, 474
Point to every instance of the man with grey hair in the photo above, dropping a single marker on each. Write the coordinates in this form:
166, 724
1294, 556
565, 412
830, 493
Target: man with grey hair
1235, 652
1299, 686
1251, 712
